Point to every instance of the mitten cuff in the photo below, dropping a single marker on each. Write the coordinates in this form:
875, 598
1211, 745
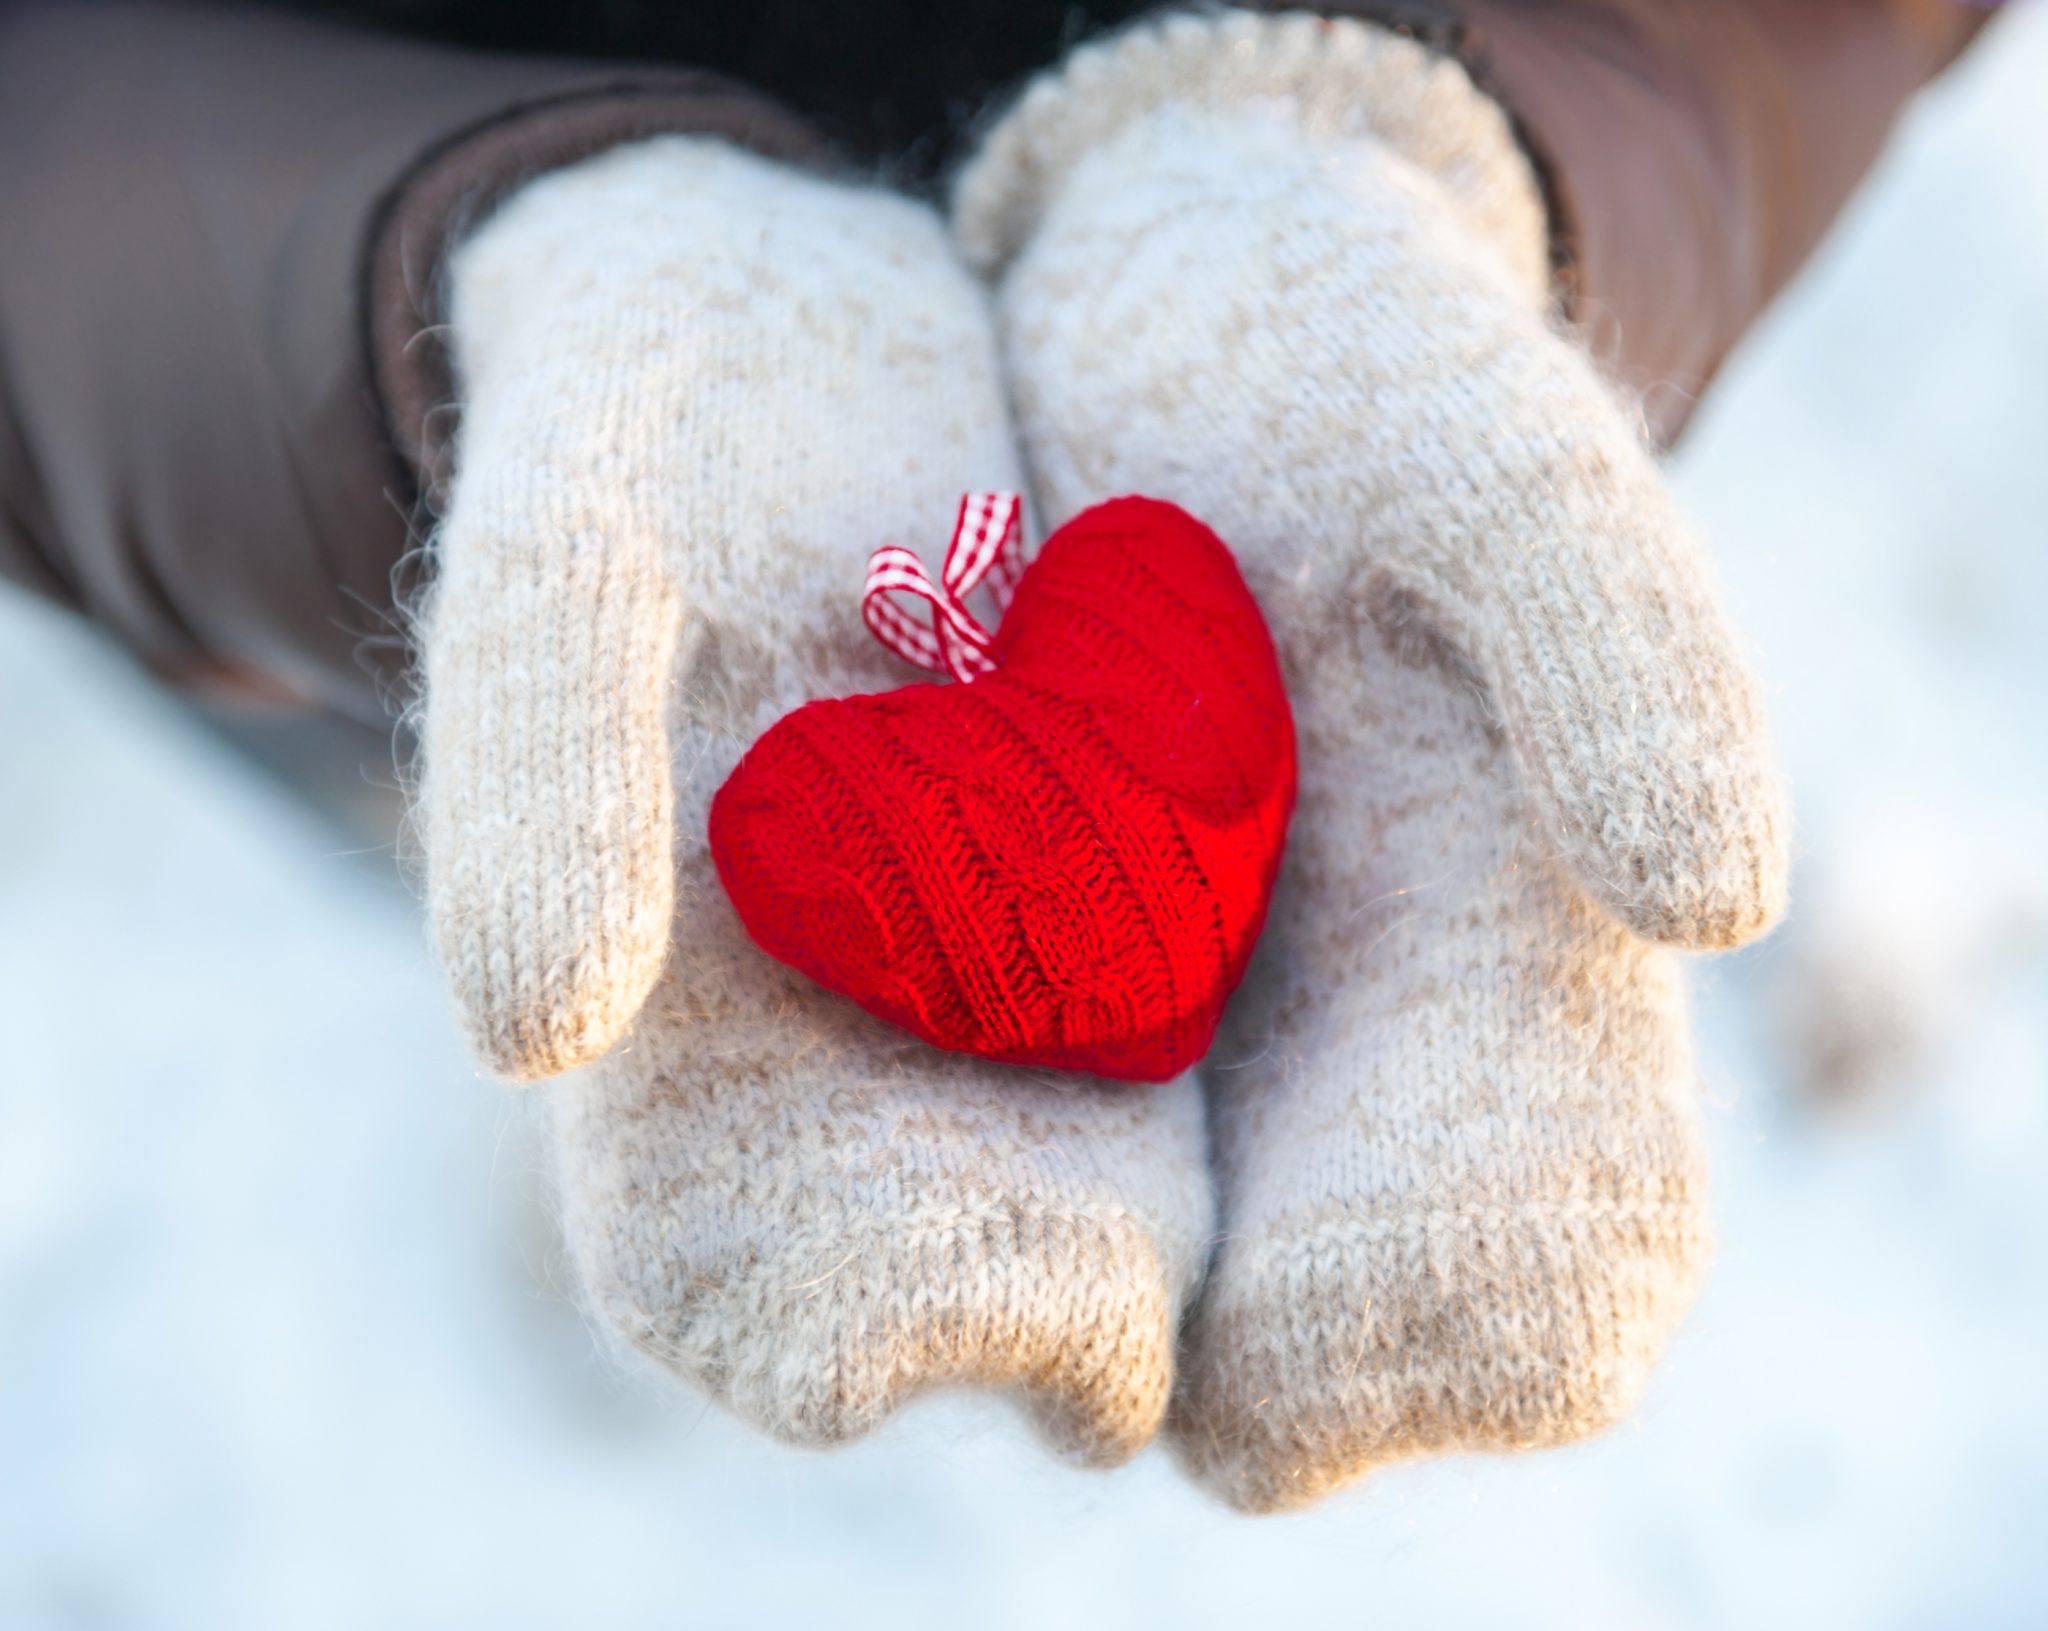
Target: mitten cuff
1332, 81
463, 180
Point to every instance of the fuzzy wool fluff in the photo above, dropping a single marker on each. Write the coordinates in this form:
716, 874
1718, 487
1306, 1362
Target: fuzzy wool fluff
1290, 275
699, 389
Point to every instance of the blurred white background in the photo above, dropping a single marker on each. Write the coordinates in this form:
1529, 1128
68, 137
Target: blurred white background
284, 1337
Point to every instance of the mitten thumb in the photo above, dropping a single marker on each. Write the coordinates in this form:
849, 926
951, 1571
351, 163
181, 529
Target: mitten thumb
547, 652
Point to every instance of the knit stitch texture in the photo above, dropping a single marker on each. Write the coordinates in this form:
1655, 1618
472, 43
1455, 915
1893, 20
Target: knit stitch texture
1064, 863
698, 388
1289, 274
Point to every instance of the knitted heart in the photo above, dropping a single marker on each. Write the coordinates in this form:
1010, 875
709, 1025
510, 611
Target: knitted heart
1065, 861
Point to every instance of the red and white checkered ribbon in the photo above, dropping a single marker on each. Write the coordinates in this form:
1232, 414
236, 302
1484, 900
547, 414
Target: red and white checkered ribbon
987, 547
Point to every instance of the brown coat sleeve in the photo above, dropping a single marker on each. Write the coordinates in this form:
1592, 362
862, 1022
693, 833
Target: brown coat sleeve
214, 218
1694, 151
195, 201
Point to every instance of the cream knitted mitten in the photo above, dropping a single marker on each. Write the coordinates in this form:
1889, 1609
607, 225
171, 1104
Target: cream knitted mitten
698, 389
1291, 275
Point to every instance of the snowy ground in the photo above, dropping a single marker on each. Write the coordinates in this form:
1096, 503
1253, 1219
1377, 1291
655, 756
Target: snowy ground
282, 1342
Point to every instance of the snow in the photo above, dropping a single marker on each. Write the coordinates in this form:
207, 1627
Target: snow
283, 1336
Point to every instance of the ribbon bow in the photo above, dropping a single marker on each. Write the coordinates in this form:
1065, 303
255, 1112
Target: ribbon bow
987, 546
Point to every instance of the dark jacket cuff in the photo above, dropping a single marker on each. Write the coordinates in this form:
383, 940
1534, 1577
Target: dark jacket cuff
222, 233
1692, 152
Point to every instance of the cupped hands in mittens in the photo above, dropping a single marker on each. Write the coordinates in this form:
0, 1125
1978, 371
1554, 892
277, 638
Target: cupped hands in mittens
697, 389
1291, 275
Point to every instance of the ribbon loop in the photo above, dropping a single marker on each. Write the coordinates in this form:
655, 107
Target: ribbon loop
986, 547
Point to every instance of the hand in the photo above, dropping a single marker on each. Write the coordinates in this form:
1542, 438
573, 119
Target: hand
698, 390
1291, 275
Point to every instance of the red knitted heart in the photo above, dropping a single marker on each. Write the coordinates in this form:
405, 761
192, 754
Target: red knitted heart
1063, 863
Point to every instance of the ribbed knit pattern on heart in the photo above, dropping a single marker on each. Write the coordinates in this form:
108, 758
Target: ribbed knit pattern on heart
1065, 863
